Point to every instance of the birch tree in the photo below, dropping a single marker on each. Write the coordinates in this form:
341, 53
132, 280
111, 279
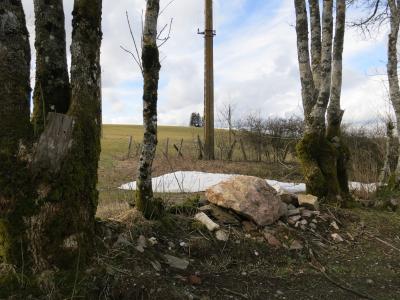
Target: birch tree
321, 151
48, 193
145, 200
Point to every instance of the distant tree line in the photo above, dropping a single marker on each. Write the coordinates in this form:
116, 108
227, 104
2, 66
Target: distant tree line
196, 120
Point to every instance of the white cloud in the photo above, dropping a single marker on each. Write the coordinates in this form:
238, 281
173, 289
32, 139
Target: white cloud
255, 62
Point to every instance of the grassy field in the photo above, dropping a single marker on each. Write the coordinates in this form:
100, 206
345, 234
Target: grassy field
116, 139
116, 168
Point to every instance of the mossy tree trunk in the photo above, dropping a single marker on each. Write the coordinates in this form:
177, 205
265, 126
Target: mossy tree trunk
15, 129
335, 113
48, 193
324, 162
145, 200
52, 89
63, 230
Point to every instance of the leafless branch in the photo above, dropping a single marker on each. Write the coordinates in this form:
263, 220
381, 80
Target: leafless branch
165, 7
134, 57
168, 36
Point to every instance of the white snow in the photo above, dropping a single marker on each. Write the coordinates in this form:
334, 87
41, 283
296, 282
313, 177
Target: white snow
193, 181
183, 181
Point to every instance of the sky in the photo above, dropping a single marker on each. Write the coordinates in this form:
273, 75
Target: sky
255, 55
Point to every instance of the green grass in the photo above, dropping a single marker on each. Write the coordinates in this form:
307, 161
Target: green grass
115, 140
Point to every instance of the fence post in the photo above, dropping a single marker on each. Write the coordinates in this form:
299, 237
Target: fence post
243, 150
129, 147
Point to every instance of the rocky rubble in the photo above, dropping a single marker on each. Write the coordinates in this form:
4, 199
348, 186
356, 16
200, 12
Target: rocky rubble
251, 204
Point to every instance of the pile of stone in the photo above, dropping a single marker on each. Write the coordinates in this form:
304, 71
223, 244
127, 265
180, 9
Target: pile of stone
251, 203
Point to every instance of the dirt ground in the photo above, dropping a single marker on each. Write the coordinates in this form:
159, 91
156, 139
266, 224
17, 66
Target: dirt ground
364, 266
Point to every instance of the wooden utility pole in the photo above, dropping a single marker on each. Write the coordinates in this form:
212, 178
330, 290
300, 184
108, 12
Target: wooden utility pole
209, 34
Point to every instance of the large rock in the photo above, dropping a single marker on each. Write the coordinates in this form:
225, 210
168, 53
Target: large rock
250, 197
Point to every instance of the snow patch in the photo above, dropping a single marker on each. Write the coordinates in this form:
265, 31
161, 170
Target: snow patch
193, 181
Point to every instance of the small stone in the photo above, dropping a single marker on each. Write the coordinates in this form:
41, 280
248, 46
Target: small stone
256, 253
369, 281
296, 245
293, 219
153, 241
337, 238
313, 225
205, 220
394, 204
272, 240
306, 213
141, 244
334, 225
293, 212
221, 235
314, 221
291, 207
303, 222
183, 244
303, 227
309, 201
176, 262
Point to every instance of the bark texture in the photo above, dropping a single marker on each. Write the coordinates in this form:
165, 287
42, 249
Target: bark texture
15, 129
392, 65
63, 229
323, 156
145, 201
335, 113
52, 89
392, 155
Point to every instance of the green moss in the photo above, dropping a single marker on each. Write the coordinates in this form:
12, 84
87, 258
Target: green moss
152, 208
318, 160
189, 206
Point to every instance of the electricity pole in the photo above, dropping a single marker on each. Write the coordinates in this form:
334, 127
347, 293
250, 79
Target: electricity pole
209, 34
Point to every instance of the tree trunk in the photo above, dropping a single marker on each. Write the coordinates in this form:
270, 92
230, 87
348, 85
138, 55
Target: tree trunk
393, 77
145, 201
335, 113
15, 129
63, 229
392, 155
52, 89
317, 154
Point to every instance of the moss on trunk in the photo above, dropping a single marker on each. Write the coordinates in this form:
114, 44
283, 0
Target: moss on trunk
145, 201
15, 130
318, 159
62, 232
52, 90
